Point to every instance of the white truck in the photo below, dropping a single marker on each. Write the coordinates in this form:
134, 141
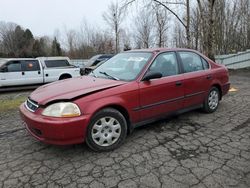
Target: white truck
31, 71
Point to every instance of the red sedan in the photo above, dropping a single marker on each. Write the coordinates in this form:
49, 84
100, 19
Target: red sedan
130, 89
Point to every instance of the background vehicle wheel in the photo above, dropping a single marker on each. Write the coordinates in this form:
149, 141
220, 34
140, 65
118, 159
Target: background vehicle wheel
65, 76
212, 101
107, 130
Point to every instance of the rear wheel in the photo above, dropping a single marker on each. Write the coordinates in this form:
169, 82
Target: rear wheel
212, 101
107, 130
65, 76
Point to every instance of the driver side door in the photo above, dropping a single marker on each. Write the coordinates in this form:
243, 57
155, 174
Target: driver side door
164, 95
11, 74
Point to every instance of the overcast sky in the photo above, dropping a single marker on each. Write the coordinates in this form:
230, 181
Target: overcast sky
42, 17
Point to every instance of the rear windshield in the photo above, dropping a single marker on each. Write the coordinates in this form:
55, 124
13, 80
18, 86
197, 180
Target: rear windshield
57, 63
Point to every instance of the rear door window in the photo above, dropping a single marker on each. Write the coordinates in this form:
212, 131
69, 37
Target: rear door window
30, 65
205, 63
56, 63
191, 61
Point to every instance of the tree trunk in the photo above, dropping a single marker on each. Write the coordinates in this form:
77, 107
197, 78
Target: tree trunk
116, 38
188, 25
211, 35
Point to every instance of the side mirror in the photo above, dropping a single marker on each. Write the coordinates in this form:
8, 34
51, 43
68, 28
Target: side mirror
151, 75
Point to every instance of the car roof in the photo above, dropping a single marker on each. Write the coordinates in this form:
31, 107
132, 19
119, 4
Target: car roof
53, 58
16, 59
158, 50
109, 55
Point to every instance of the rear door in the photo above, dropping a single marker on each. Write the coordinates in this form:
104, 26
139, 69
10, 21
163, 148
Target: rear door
197, 78
31, 72
164, 95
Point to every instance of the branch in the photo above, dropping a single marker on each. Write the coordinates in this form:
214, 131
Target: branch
212, 2
127, 3
160, 3
175, 3
201, 9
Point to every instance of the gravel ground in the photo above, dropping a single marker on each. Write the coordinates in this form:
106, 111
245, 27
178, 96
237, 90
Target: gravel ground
191, 150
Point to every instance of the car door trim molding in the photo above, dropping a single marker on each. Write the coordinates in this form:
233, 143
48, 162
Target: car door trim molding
158, 103
194, 94
164, 116
167, 101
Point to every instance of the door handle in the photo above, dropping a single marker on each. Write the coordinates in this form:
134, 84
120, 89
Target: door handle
178, 83
47, 75
39, 72
23, 73
209, 77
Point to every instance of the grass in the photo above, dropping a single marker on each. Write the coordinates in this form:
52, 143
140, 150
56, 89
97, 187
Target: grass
11, 104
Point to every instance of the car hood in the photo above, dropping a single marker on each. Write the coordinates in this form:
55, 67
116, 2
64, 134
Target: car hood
71, 88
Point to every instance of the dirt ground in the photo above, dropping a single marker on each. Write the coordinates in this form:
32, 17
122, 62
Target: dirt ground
192, 150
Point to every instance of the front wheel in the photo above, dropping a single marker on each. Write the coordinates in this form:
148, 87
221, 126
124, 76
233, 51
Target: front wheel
212, 101
107, 130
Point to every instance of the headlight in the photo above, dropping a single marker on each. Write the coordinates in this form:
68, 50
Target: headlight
62, 109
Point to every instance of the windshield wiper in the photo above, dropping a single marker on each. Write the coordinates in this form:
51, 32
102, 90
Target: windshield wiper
108, 75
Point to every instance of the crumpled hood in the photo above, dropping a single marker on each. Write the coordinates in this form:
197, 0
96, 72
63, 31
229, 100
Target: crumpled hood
71, 88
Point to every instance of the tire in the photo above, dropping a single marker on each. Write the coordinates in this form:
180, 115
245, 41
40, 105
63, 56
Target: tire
212, 101
107, 130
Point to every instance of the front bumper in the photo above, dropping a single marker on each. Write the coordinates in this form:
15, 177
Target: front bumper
58, 131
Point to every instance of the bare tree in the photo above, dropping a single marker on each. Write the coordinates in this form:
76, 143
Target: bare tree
7, 37
71, 36
102, 42
227, 31
114, 18
207, 16
144, 30
85, 32
126, 40
16, 41
178, 36
185, 22
195, 29
161, 25
211, 26
248, 25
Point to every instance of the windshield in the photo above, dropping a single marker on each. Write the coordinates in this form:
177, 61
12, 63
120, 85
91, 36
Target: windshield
124, 66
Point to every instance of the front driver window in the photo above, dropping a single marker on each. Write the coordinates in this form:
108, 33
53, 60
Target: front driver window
14, 66
166, 64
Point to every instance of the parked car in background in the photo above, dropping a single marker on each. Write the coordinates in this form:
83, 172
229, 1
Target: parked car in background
131, 89
95, 60
80, 64
28, 71
91, 68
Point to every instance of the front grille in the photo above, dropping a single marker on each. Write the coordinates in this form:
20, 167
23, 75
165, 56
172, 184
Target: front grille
31, 105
